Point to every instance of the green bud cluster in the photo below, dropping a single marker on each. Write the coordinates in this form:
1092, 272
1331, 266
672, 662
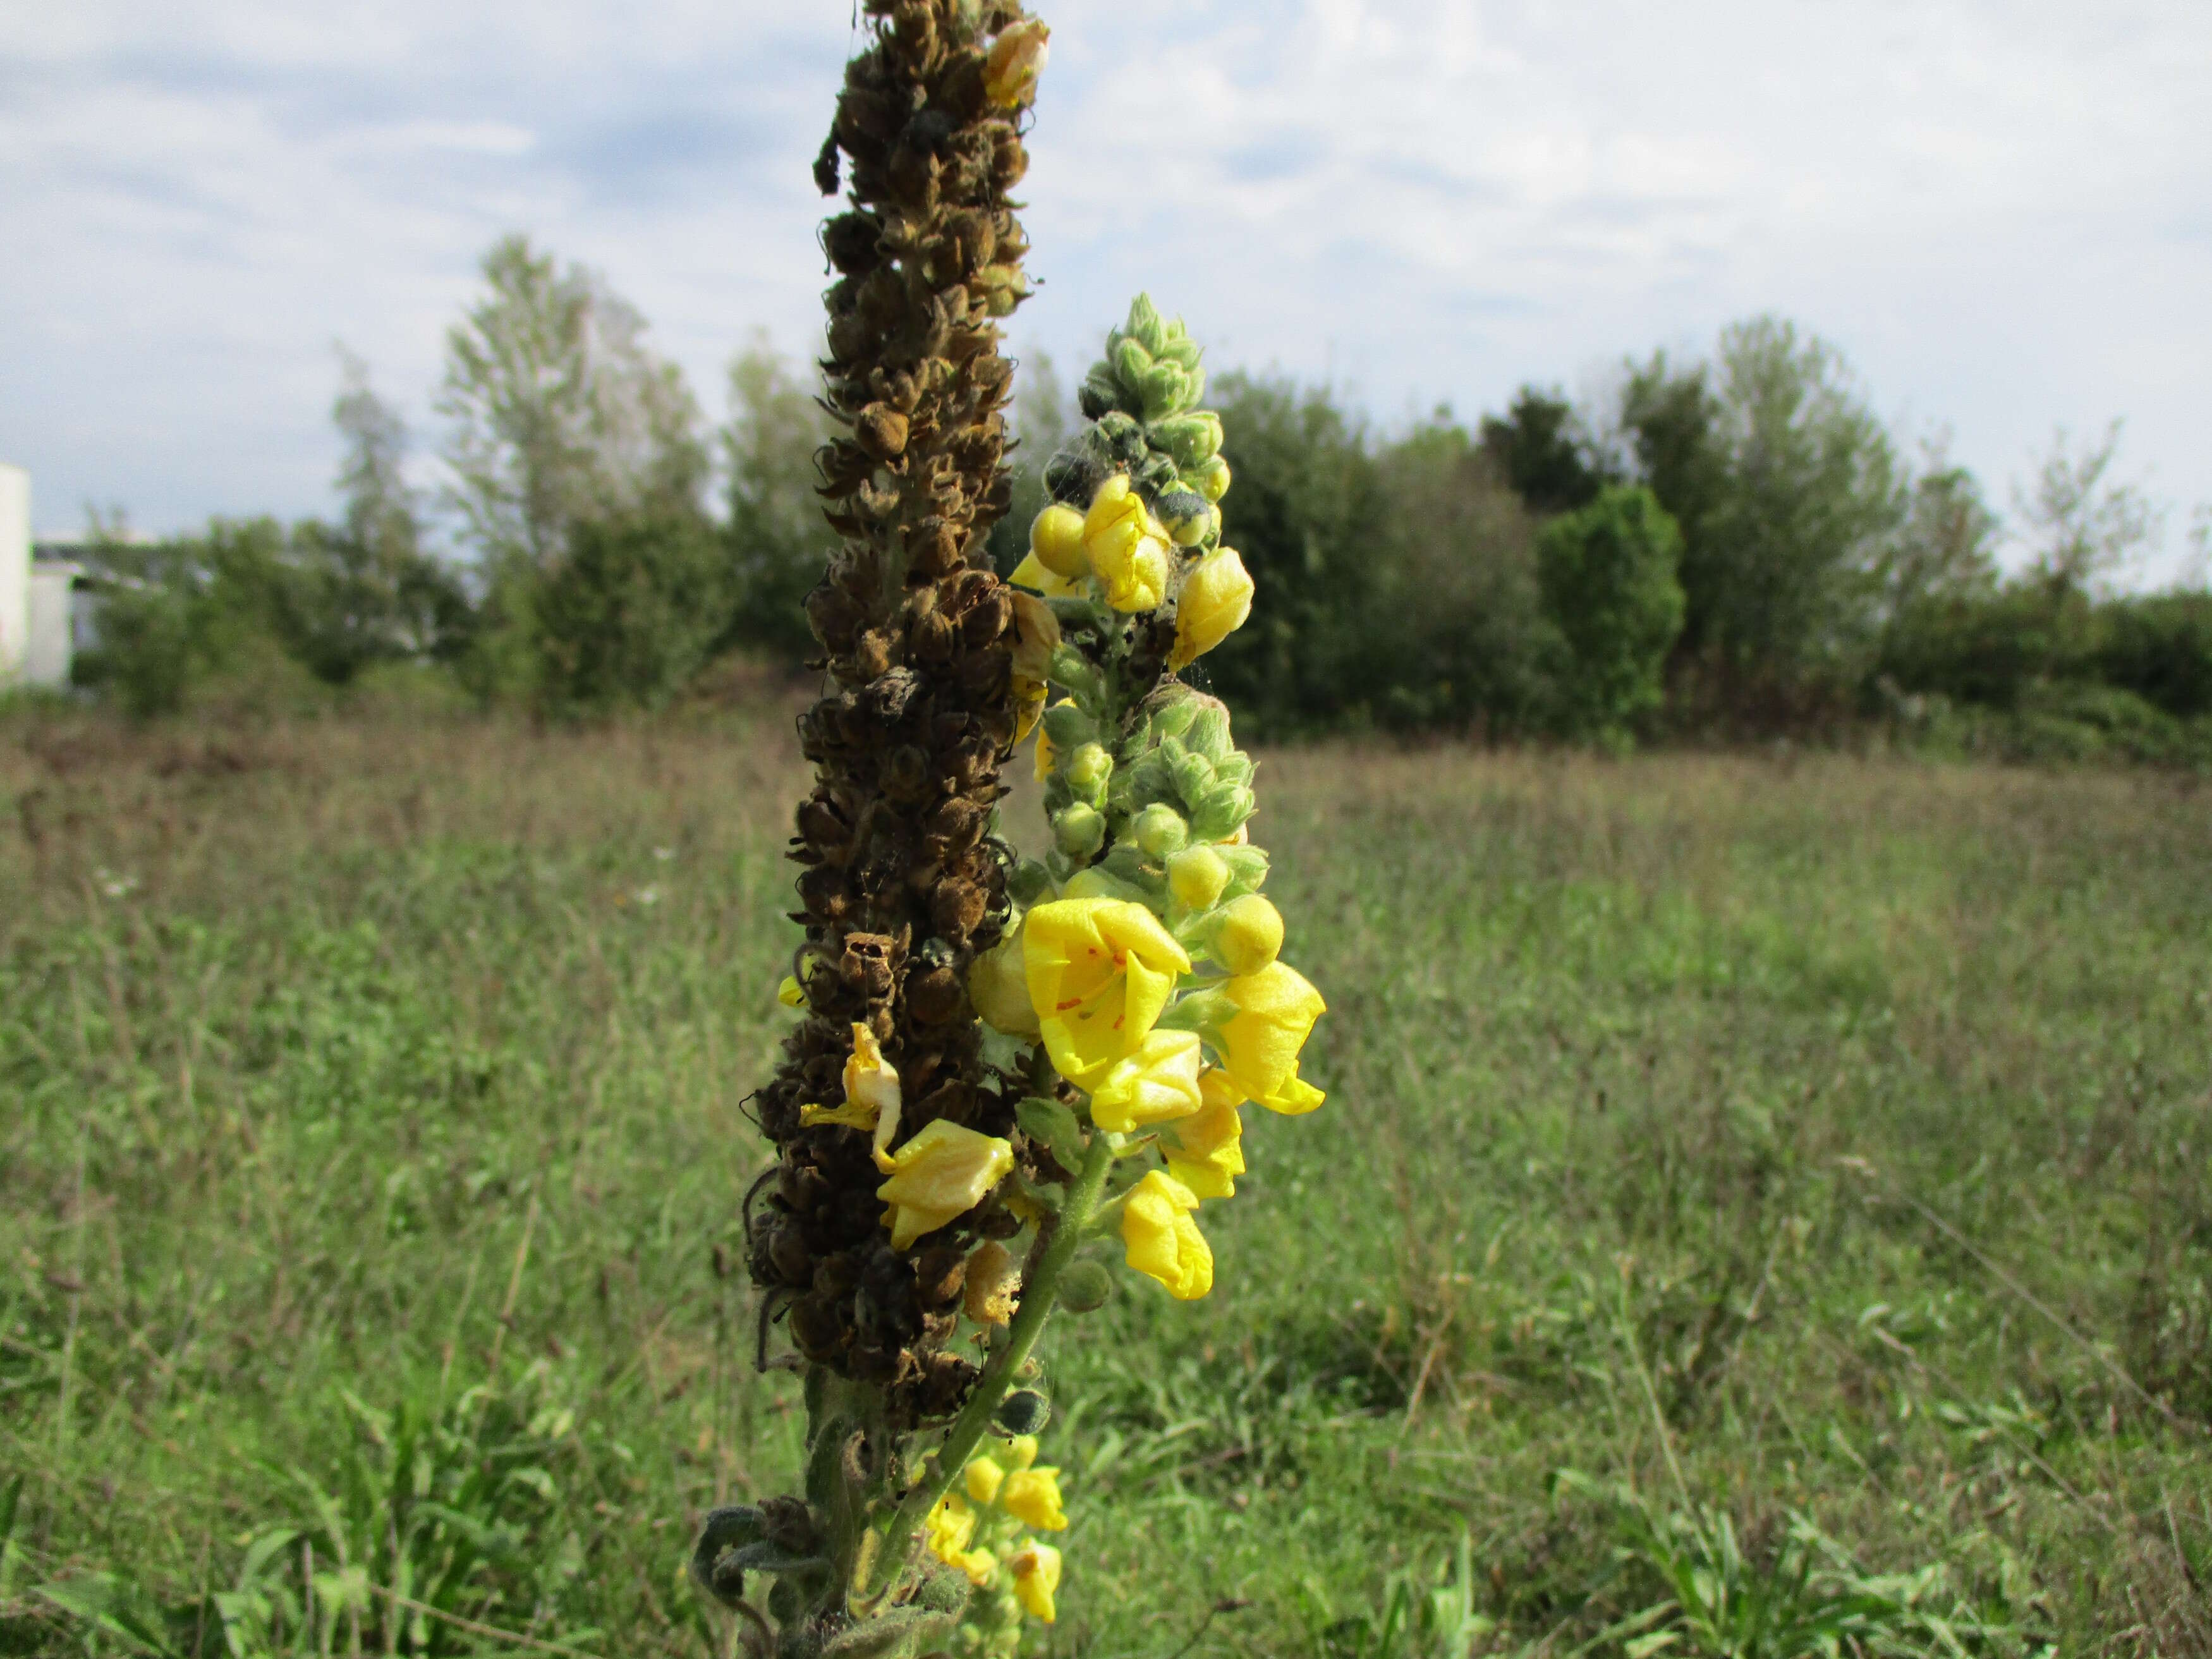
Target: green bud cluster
1142, 398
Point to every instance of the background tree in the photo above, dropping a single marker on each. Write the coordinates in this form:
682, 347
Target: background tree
2084, 527
560, 415
1785, 488
1539, 447
1612, 587
560, 412
366, 589
632, 612
780, 544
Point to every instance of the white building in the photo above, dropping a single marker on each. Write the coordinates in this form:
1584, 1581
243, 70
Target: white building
46, 603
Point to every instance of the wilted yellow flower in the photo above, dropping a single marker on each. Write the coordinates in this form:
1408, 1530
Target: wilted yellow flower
1276, 1009
1127, 548
1161, 1239
871, 1095
1100, 972
1217, 598
1036, 637
1155, 1084
791, 994
943, 1173
1018, 57
1207, 1154
1056, 542
1248, 935
1037, 1578
1032, 1496
999, 985
1196, 877
949, 1529
991, 1291
983, 1480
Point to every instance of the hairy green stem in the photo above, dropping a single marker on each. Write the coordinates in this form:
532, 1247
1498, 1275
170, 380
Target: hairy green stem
1040, 1291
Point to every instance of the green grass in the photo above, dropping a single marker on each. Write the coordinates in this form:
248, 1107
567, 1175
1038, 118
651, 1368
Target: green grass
1750, 1188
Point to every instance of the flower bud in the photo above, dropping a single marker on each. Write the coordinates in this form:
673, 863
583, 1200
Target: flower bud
1187, 516
1018, 57
1089, 767
1160, 830
1222, 813
1197, 877
1085, 1286
1079, 830
1165, 389
1024, 1410
1248, 935
1146, 327
1068, 728
1132, 363
1217, 598
1194, 440
999, 985
1056, 539
1212, 479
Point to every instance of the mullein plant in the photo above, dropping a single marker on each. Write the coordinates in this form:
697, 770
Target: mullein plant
1004, 1071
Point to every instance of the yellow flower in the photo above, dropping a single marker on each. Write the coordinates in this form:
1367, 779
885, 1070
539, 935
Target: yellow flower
1196, 877
993, 1288
1100, 972
949, 1529
1217, 598
1248, 934
1032, 1496
1037, 1578
1022, 1451
1031, 573
999, 985
941, 1174
791, 994
1161, 1239
1128, 548
1056, 543
984, 1479
1276, 1009
1155, 1084
871, 1096
1018, 57
1208, 1154
979, 1565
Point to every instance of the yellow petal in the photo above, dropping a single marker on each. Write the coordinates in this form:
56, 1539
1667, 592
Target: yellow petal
939, 1176
1161, 1240
984, 1478
1031, 573
1156, 1082
1022, 1451
1216, 599
991, 1291
791, 994
1276, 1008
1056, 541
1100, 972
1036, 1579
1032, 1496
872, 1084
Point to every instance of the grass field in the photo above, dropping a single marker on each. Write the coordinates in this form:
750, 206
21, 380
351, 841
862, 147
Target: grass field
1776, 1168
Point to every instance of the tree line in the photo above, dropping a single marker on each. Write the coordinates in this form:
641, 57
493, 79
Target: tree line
1732, 544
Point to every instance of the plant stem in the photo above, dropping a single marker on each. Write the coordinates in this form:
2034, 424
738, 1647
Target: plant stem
1039, 1294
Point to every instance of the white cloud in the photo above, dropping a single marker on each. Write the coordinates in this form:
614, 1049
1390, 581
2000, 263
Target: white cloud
1998, 208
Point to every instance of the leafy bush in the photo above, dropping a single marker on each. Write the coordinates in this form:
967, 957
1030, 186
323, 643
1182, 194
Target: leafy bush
1611, 586
632, 612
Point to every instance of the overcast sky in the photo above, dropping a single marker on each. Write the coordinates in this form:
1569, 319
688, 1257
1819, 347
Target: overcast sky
2000, 210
